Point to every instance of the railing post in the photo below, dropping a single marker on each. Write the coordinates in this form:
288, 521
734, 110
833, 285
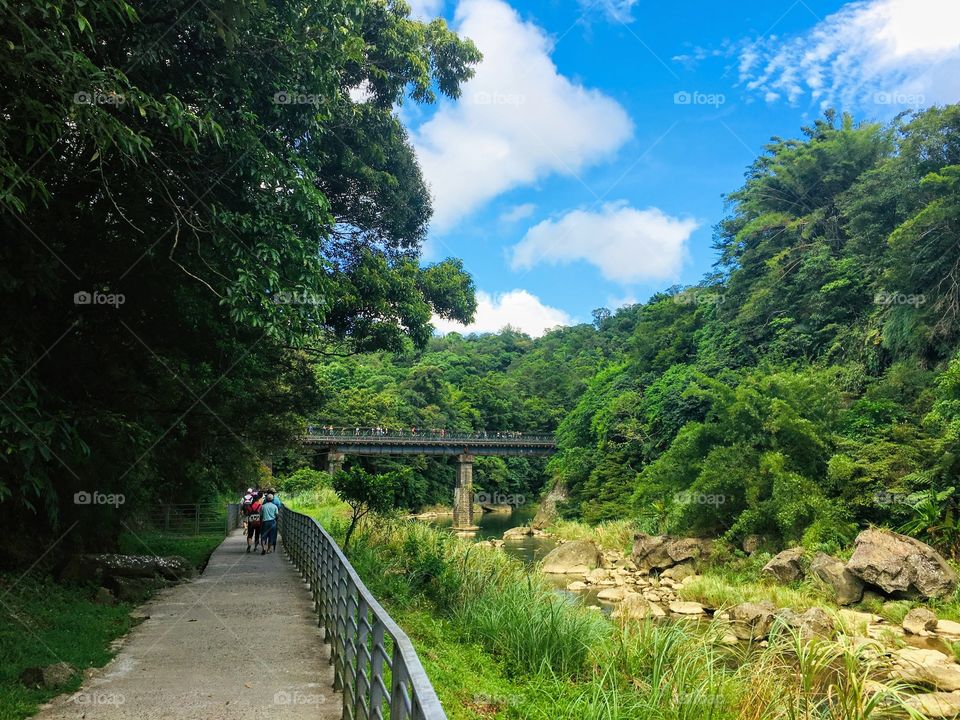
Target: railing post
398, 708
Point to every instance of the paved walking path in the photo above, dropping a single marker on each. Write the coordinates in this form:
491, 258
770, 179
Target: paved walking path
239, 641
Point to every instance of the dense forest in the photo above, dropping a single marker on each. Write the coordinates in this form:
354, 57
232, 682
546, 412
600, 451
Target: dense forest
189, 219
809, 386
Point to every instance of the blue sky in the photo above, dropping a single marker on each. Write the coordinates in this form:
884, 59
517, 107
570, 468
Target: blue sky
585, 164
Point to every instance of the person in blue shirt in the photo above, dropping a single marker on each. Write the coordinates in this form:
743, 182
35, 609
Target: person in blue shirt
268, 533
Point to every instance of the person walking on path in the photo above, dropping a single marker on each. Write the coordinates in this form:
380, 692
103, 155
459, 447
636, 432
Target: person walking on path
254, 520
268, 513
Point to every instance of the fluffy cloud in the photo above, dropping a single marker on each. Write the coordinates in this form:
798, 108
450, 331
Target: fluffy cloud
519, 119
626, 244
901, 53
516, 308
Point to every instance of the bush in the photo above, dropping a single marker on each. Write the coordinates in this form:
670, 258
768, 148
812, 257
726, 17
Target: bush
303, 480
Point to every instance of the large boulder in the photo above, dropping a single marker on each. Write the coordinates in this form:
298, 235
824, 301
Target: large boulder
572, 558
935, 704
97, 568
901, 565
751, 621
926, 667
847, 588
786, 566
49, 677
659, 552
547, 511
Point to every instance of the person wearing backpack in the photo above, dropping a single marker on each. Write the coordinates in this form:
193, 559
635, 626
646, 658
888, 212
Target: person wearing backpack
269, 512
252, 515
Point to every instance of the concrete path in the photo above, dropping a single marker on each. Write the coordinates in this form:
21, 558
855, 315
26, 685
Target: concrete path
240, 641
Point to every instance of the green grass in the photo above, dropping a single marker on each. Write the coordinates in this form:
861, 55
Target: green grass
44, 622
498, 643
610, 535
195, 548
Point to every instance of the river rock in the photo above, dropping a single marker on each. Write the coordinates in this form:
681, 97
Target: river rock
786, 566
547, 511
635, 607
104, 596
751, 621
919, 621
48, 677
948, 627
814, 622
659, 552
576, 586
679, 607
613, 594
751, 543
576, 557
847, 588
518, 533
597, 576
900, 564
678, 573
935, 704
926, 667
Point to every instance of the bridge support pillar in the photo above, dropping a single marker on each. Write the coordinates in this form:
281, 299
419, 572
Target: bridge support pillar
463, 494
334, 462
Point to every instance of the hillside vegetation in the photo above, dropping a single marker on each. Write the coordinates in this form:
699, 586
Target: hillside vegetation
809, 386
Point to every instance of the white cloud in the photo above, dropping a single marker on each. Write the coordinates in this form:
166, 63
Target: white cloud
901, 53
518, 120
426, 9
518, 213
626, 244
516, 308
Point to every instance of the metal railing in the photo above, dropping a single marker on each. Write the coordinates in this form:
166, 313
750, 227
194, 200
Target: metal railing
194, 518
375, 665
320, 433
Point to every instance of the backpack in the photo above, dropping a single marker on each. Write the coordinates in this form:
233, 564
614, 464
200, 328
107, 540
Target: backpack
253, 516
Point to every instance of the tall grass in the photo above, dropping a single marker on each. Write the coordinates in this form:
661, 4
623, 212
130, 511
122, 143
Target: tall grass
562, 660
609, 535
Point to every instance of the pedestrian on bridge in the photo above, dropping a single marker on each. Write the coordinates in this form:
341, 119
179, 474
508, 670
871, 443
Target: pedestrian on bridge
251, 511
269, 513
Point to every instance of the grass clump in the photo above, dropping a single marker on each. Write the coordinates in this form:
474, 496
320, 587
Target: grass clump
609, 535
497, 642
46, 623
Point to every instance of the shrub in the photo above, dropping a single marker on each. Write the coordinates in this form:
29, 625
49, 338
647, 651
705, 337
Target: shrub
302, 481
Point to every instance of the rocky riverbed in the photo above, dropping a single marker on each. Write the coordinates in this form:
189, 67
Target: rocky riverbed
647, 583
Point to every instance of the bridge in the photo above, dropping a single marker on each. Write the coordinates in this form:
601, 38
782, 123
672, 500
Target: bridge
336, 443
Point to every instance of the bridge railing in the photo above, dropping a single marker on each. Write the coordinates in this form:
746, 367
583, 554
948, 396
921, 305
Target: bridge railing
375, 665
408, 435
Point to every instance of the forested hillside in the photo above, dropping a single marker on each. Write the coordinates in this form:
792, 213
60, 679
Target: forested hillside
807, 387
